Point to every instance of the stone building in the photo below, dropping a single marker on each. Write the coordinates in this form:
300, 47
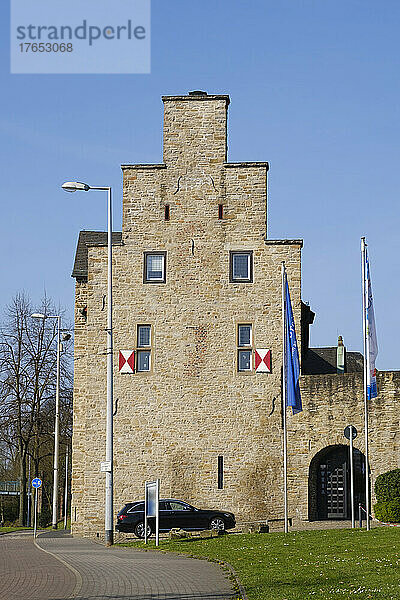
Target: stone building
197, 292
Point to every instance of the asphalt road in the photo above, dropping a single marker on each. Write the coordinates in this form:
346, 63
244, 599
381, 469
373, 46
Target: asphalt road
60, 567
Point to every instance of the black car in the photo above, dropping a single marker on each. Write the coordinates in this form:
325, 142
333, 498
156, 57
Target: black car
172, 513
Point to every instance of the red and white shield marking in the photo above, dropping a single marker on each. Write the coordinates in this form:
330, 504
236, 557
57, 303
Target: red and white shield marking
126, 361
262, 359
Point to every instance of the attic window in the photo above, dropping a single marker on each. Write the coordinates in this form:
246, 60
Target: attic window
166, 212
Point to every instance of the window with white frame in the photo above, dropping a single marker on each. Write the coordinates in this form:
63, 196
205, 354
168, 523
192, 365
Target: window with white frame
154, 267
241, 266
245, 347
144, 343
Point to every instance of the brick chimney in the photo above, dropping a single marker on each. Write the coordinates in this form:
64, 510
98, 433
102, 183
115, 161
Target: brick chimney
340, 356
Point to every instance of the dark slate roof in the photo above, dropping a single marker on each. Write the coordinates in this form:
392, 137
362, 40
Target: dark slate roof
354, 362
321, 361
90, 238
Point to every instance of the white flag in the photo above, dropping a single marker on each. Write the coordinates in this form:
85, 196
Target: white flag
372, 343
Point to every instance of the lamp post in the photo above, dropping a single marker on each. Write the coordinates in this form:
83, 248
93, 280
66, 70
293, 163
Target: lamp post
57, 415
74, 186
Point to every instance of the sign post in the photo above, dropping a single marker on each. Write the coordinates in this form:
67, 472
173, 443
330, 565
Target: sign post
36, 483
28, 517
66, 491
350, 433
151, 506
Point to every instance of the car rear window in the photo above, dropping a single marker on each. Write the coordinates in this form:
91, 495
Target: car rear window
136, 507
125, 508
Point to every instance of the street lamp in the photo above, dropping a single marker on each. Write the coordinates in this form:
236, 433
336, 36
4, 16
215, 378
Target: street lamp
57, 417
74, 186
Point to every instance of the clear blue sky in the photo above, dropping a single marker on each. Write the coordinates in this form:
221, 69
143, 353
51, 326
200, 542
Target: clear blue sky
314, 89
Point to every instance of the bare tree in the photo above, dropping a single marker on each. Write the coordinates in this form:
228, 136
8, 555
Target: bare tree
28, 357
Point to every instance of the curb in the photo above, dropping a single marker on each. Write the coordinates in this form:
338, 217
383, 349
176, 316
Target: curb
78, 577
238, 589
234, 576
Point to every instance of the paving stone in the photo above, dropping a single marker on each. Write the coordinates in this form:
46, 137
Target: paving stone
125, 573
27, 573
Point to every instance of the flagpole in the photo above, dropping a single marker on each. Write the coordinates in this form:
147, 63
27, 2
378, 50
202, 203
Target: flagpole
284, 398
365, 387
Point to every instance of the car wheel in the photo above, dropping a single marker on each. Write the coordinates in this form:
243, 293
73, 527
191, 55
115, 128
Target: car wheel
217, 524
139, 530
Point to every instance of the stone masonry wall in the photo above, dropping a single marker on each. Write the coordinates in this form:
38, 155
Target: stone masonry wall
330, 403
193, 406
79, 448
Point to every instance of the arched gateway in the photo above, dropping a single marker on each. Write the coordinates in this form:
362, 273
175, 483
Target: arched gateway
329, 483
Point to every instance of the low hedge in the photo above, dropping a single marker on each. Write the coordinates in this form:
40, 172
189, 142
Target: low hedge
388, 512
387, 486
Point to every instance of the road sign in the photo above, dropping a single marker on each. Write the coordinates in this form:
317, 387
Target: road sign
347, 432
350, 433
105, 467
151, 506
36, 483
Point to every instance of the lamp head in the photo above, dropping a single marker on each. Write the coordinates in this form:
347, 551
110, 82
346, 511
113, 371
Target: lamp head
73, 186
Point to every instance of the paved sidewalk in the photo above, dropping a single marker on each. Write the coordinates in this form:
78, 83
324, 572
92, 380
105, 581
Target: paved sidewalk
101, 573
26, 573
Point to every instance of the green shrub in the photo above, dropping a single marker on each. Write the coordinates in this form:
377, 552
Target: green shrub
387, 486
388, 512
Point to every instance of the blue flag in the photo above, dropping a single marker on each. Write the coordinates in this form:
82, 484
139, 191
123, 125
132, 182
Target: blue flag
372, 343
292, 363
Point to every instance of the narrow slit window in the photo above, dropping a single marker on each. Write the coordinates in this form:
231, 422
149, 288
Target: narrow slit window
220, 472
220, 211
166, 212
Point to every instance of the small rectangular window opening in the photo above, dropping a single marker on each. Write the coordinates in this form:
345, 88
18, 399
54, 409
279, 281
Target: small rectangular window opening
154, 267
143, 357
244, 335
166, 212
144, 335
241, 266
220, 211
143, 360
220, 472
245, 350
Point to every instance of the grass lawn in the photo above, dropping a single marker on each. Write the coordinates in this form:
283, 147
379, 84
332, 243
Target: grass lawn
332, 564
10, 529
60, 526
